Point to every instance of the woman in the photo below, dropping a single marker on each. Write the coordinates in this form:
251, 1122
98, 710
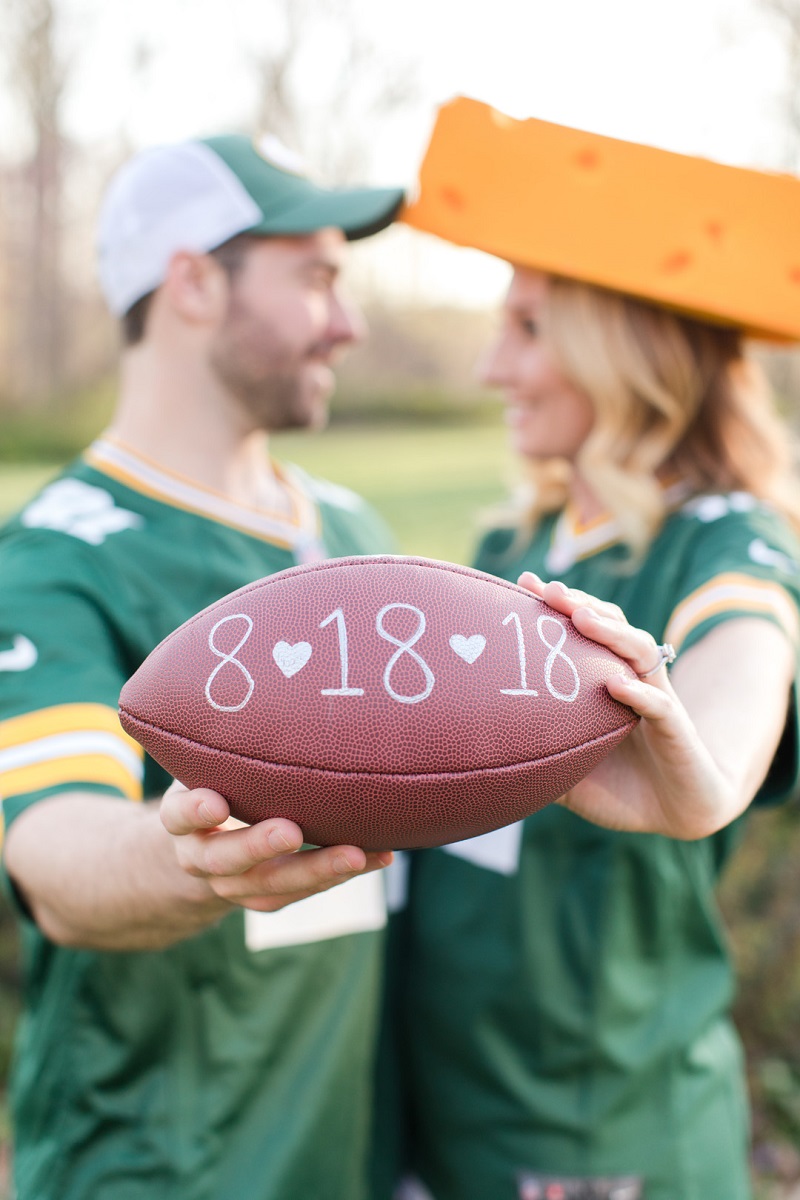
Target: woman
565, 1027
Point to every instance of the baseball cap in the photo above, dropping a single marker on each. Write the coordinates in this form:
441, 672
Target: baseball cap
195, 195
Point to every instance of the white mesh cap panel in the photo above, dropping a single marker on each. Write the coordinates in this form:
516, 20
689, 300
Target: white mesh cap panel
168, 198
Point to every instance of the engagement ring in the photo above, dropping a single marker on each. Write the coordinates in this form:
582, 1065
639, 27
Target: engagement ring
666, 654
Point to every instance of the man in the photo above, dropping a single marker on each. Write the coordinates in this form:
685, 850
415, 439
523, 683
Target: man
183, 1039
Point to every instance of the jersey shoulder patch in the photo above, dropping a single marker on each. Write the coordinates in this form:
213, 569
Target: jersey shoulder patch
753, 524
21, 656
79, 509
764, 555
713, 507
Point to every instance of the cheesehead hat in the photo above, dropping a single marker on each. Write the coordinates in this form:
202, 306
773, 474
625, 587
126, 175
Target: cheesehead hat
195, 195
717, 242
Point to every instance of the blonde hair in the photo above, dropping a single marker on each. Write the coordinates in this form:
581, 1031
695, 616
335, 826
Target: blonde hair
673, 396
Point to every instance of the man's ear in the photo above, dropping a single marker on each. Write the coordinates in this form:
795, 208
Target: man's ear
196, 287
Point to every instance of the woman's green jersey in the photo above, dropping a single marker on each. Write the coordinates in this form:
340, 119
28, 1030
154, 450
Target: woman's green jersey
564, 990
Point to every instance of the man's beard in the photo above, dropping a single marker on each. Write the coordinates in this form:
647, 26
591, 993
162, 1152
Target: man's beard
269, 381
275, 401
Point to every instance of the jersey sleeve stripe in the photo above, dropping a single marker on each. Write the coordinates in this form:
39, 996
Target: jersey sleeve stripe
733, 592
64, 718
71, 772
71, 745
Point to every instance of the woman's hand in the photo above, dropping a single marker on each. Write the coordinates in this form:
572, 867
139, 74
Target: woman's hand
704, 745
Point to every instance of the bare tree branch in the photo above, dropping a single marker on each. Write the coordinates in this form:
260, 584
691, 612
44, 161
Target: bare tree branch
39, 74
786, 14
336, 126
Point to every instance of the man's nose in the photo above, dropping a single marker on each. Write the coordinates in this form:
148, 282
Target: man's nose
348, 323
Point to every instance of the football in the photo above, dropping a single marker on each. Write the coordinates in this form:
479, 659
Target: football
383, 702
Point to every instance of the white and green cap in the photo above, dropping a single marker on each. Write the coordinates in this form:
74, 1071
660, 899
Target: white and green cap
195, 195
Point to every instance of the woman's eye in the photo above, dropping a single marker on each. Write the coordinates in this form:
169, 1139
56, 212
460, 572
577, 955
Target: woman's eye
530, 328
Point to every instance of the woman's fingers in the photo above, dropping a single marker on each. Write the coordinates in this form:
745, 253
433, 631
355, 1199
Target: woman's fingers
531, 582
565, 600
652, 703
602, 622
636, 646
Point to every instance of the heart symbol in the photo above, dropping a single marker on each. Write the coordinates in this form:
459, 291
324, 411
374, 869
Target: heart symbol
468, 648
291, 659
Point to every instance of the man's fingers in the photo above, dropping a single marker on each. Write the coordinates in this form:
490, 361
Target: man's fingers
255, 865
271, 885
232, 852
288, 872
210, 842
185, 812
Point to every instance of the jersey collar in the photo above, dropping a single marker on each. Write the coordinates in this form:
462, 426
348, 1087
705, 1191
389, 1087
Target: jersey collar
299, 530
573, 541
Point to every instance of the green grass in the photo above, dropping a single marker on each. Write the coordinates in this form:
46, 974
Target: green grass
429, 482
18, 482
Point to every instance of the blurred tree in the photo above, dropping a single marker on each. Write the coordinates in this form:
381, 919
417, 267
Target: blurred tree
760, 896
784, 367
38, 74
355, 89
786, 14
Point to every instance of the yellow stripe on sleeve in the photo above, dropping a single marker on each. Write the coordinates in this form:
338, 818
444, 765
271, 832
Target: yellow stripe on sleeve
65, 771
733, 592
63, 718
69, 744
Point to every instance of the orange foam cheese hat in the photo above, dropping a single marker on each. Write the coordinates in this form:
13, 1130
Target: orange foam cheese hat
713, 241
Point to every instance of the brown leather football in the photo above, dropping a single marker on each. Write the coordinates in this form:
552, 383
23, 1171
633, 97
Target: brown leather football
383, 702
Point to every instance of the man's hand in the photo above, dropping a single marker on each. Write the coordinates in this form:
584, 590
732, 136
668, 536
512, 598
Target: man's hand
254, 866
99, 873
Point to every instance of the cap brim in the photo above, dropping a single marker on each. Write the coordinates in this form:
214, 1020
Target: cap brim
358, 212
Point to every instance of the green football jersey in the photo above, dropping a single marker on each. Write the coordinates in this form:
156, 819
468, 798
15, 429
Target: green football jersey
236, 1063
567, 988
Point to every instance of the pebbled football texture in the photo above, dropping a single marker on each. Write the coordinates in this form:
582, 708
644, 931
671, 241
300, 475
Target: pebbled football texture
384, 702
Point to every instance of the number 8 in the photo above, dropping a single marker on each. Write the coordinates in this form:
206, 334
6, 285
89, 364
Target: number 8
405, 648
556, 652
